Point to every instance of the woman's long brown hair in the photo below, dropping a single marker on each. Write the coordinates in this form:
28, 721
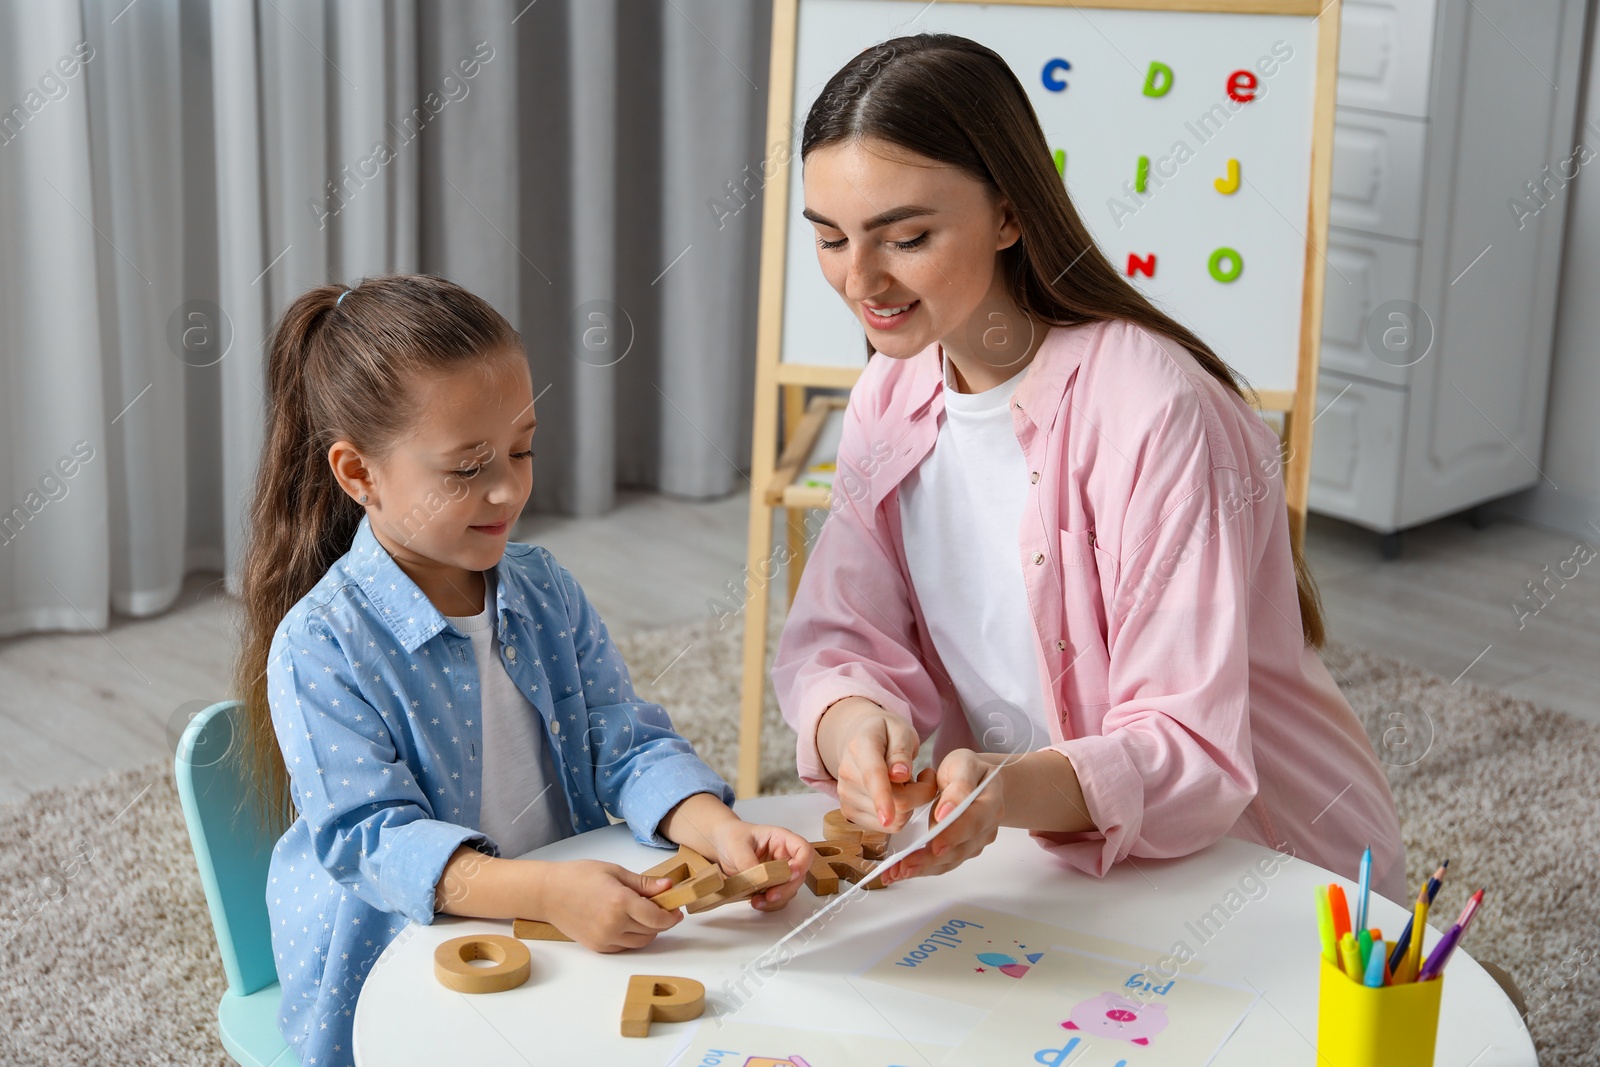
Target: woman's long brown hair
336, 371
954, 101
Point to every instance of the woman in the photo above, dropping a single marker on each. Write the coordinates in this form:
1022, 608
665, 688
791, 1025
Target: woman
1059, 532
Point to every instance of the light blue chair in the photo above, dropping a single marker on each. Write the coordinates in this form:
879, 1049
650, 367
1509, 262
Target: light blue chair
232, 854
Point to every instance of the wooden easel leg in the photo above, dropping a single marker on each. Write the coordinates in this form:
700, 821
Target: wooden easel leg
758, 582
797, 550
1297, 474
794, 410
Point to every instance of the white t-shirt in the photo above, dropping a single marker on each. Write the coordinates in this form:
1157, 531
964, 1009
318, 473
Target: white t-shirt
961, 518
523, 804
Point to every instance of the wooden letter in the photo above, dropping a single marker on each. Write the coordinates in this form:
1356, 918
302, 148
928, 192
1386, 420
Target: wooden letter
744, 885
660, 998
688, 887
835, 860
512, 964
535, 930
685, 855
836, 828
693, 876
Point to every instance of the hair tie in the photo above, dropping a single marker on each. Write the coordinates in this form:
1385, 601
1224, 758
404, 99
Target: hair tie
342, 295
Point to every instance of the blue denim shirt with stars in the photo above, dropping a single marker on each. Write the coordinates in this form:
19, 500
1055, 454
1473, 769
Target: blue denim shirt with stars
374, 698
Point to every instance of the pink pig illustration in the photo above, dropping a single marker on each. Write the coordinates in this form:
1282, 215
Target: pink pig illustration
1111, 1015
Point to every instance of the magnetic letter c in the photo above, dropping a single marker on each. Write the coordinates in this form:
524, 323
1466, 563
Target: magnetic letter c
1052, 75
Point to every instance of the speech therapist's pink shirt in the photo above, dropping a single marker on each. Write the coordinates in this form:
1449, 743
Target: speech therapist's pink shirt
1155, 551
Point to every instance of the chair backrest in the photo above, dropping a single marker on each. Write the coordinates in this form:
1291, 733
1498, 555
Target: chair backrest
230, 850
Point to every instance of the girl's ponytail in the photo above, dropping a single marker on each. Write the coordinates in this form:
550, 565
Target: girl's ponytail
341, 367
285, 557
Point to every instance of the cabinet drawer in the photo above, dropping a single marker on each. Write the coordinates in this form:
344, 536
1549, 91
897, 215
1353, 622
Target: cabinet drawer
1364, 274
1355, 451
1386, 55
1377, 174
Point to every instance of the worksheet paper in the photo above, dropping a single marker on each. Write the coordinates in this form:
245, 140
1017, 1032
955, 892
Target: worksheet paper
899, 852
1089, 1011
733, 1044
976, 956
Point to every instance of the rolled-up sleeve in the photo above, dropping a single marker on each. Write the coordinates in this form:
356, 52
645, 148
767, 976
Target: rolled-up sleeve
1171, 769
851, 630
642, 767
371, 825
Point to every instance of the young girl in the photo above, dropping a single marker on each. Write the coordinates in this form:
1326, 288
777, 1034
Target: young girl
431, 698
1060, 536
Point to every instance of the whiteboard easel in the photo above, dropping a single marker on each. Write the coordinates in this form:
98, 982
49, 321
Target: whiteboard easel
1269, 329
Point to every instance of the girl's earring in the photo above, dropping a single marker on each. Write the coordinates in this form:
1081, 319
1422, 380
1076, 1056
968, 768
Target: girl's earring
363, 498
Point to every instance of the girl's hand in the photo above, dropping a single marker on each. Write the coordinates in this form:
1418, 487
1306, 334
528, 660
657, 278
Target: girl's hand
740, 845
707, 825
870, 753
605, 907
969, 835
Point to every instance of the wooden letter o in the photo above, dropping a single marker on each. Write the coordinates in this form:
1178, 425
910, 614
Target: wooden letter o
452, 966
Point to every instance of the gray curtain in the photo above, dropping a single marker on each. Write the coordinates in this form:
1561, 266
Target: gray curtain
173, 173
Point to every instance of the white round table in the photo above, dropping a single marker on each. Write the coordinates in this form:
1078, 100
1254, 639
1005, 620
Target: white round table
569, 1010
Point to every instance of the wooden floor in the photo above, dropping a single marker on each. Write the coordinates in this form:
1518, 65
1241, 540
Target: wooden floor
73, 706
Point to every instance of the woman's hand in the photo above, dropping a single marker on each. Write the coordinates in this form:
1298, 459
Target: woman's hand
1038, 790
740, 845
869, 753
602, 906
958, 776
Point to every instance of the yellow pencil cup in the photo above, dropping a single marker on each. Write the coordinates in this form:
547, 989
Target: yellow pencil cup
1359, 1026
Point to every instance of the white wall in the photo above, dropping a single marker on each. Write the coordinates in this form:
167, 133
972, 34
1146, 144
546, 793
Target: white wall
1571, 459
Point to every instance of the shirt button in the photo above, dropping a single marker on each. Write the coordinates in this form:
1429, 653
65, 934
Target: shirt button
555, 726
1034, 477
511, 654
1061, 646
1091, 538
1038, 557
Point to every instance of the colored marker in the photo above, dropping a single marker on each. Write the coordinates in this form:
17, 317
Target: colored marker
1350, 955
1364, 943
1341, 912
1377, 963
1330, 943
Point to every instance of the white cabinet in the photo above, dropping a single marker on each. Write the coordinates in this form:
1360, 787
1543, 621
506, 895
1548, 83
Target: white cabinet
1363, 273
1439, 304
1385, 54
1377, 174
1357, 436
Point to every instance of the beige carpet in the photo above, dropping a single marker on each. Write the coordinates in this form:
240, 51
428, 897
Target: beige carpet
106, 951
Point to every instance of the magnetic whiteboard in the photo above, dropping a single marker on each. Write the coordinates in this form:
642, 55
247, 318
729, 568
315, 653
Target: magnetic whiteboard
1104, 121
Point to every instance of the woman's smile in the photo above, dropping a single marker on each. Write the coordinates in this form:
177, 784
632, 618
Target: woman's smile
888, 316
